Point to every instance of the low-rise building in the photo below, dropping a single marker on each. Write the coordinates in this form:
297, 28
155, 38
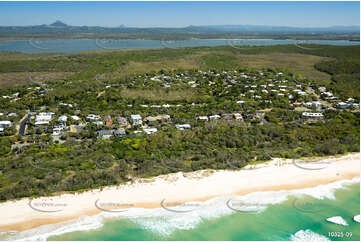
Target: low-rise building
150, 130
122, 121
183, 126
202, 118
92, 117
238, 116
136, 119
76, 118
156, 118
312, 115
119, 133
44, 117
214, 117
108, 120
105, 134
63, 119
5, 124
343, 105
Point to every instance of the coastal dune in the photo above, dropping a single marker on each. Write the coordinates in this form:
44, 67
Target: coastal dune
176, 189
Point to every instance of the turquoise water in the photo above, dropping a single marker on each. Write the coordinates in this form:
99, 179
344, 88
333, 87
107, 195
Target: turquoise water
278, 221
78, 45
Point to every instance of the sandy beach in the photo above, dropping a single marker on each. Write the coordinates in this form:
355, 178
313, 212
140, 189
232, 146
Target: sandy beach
175, 189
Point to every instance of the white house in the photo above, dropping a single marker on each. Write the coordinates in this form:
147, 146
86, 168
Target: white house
92, 117
76, 118
214, 117
63, 119
312, 115
202, 118
5, 124
43, 117
136, 119
38, 123
183, 126
343, 105
150, 130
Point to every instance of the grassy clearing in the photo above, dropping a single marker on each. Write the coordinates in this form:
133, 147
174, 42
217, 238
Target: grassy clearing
159, 94
21, 78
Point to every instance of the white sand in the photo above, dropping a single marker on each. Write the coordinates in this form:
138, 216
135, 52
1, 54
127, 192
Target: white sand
178, 188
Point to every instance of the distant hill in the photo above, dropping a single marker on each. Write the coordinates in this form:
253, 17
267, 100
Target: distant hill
59, 29
58, 23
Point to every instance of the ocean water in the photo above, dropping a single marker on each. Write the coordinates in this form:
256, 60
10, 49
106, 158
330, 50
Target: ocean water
78, 45
298, 215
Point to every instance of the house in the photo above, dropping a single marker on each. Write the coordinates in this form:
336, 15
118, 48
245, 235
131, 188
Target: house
76, 118
63, 119
240, 102
92, 117
12, 115
122, 121
202, 118
312, 115
39, 123
57, 131
119, 133
214, 117
322, 89
156, 118
136, 119
44, 117
108, 120
238, 116
315, 104
356, 106
183, 126
327, 94
98, 123
5, 124
150, 130
343, 105
105, 134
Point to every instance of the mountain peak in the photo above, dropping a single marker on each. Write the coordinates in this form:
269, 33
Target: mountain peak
58, 23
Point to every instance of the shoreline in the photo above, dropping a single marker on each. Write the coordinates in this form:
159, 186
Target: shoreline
177, 188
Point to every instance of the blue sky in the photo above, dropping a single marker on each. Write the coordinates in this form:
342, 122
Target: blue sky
180, 14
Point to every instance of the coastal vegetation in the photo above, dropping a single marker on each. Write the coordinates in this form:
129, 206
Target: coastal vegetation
269, 94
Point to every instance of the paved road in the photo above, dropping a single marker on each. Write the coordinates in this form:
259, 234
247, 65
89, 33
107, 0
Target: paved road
23, 124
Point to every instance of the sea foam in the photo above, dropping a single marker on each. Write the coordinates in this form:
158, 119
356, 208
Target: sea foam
308, 235
163, 222
337, 220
